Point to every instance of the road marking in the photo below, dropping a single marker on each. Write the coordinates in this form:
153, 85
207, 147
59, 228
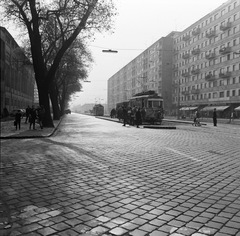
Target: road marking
183, 154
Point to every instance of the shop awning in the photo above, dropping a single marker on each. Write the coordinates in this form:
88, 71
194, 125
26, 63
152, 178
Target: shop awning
237, 108
188, 108
218, 108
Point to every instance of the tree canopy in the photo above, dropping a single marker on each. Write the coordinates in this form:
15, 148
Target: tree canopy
52, 27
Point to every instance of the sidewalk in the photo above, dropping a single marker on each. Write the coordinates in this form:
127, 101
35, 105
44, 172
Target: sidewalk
8, 130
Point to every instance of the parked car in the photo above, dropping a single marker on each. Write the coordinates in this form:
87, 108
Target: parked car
68, 111
13, 112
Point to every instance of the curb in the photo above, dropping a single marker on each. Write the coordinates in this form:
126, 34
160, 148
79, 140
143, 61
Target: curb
144, 126
159, 127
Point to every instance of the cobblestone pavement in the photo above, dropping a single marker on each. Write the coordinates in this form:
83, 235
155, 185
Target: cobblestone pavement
95, 177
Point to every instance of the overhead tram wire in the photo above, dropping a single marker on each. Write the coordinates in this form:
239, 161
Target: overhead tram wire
136, 49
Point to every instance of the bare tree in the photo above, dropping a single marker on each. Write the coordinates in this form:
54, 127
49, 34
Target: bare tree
65, 21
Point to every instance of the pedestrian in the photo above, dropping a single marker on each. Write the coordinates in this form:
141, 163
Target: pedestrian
138, 117
131, 116
197, 118
231, 117
18, 117
113, 113
27, 114
32, 117
120, 113
214, 117
124, 115
40, 115
143, 113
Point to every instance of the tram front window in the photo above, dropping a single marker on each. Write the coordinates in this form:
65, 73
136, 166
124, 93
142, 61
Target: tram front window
156, 104
150, 104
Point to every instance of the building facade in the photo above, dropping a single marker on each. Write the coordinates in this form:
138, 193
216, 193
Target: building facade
148, 71
207, 63
198, 68
17, 75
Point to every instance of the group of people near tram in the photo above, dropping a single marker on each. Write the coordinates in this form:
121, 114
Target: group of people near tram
129, 115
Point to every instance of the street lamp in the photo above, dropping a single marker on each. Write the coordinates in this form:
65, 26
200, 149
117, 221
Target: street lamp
110, 51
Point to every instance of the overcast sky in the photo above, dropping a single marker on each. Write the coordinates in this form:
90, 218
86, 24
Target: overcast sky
139, 24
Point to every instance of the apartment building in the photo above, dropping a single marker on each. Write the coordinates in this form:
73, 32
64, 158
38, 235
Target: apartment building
17, 75
198, 68
207, 63
151, 70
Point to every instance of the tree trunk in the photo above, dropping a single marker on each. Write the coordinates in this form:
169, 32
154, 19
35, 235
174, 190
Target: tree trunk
54, 100
45, 101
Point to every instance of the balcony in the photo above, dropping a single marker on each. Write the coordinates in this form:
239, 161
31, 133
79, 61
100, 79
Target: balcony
225, 74
186, 37
226, 26
196, 32
196, 51
185, 92
225, 50
175, 68
186, 56
195, 91
210, 77
211, 34
186, 74
210, 55
195, 71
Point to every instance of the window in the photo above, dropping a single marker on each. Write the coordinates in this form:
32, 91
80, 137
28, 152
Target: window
221, 82
221, 94
233, 93
228, 93
209, 95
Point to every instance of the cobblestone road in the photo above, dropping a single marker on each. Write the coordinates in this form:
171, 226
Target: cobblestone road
96, 177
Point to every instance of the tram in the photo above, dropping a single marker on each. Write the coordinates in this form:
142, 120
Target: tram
151, 104
98, 110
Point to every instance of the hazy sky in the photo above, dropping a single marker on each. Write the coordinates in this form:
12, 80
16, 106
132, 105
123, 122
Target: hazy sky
139, 24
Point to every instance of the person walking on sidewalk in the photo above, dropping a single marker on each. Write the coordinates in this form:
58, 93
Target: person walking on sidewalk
28, 109
40, 115
18, 117
214, 117
32, 117
138, 117
125, 115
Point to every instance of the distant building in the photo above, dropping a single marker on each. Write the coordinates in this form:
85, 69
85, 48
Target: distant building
17, 75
